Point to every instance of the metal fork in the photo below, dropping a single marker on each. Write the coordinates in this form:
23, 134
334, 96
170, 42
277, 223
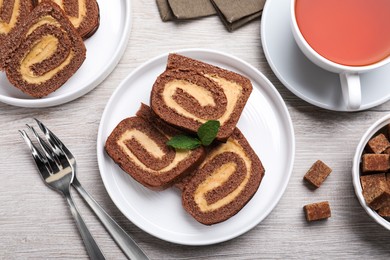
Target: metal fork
123, 240
57, 173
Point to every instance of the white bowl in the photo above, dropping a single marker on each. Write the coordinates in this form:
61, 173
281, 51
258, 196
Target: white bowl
356, 169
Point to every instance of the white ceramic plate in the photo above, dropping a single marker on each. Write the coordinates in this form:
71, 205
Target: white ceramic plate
102, 57
303, 78
266, 124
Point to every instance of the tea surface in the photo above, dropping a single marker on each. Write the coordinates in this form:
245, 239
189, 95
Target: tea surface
348, 32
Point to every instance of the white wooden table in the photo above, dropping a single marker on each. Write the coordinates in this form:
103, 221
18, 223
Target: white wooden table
35, 222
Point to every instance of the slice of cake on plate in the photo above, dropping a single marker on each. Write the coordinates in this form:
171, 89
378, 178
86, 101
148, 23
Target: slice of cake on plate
138, 146
12, 13
43, 52
191, 92
83, 14
224, 183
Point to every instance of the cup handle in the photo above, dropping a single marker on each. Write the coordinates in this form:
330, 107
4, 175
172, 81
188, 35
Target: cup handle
350, 87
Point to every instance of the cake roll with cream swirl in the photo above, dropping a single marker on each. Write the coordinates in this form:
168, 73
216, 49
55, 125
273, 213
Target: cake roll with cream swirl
138, 146
191, 92
83, 14
43, 52
12, 13
224, 182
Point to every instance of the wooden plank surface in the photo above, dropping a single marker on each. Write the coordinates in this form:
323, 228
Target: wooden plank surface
35, 222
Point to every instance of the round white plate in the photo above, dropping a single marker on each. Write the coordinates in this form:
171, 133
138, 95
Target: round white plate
266, 124
302, 77
102, 57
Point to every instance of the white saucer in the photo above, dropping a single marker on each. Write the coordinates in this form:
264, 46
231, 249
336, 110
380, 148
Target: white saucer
266, 124
102, 57
309, 82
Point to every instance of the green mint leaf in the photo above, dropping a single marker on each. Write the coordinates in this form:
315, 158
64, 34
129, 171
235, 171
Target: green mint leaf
208, 131
184, 142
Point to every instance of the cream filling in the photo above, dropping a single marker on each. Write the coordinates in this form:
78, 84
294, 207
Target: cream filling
179, 155
220, 176
231, 89
42, 21
150, 145
202, 95
76, 21
232, 92
44, 49
6, 27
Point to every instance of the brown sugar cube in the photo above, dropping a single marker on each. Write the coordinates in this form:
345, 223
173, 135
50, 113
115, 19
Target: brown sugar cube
387, 203
379, 143
317, 173
372, 179
317, 211
375, 190
384, 211
375, 162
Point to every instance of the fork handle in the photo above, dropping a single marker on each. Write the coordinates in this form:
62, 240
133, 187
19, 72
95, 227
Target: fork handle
124, 241
92, 247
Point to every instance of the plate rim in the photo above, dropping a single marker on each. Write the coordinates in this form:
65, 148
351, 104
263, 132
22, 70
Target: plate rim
107, 69
274, 94
293, 89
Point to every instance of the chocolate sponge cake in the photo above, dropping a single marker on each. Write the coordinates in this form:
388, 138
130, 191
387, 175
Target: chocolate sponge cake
224, 183
137, 145
190, 92
43, 52
12, 13
83, 14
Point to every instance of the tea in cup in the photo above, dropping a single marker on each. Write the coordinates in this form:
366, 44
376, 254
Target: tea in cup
348, 37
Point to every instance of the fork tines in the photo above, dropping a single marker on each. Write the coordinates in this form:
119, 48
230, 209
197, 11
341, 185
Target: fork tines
40, 160
49, 158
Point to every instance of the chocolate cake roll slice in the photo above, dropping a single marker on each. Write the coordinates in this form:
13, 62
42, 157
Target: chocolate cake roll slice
12, 13
84, 15
137, 145
224, 183
191, 92
43, 52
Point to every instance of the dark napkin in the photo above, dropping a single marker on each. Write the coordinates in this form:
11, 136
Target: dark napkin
165, 10
188, 9
184, 9
235, 13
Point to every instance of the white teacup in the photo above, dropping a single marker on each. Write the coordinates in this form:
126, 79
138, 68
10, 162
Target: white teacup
349, 75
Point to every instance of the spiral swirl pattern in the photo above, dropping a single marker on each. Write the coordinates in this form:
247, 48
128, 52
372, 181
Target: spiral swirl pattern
226, 180
191, 92
12, 13
83, 14
140, 149
43, 53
